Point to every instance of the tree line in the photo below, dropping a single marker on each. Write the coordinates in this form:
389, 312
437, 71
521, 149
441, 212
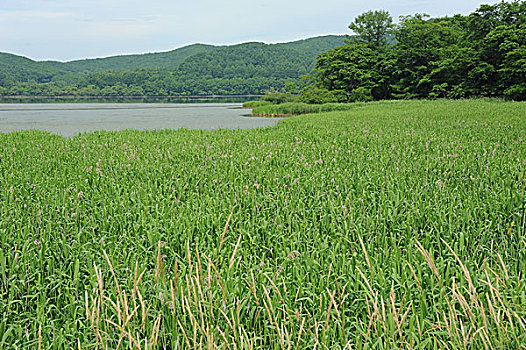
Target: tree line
482, 54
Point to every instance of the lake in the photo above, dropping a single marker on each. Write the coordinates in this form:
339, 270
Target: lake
69, 119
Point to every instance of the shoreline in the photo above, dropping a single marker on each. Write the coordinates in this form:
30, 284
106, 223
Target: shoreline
274, 115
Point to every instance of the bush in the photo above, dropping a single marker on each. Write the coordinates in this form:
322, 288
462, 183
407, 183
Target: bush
438, 91
516, 92
361, 94
277, 97
457, 92
313, 94
341, 95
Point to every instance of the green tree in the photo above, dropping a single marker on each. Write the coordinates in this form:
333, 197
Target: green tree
506, 44
422, 45
278, 98
372, 28
291, 87
5, 80
313, 94
496, 35
353, 66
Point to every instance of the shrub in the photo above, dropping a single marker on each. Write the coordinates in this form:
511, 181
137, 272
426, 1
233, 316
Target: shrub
277, 97
516, 92
361, 94
457, 92
313, 94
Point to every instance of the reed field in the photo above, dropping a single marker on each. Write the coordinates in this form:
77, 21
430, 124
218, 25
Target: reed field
257, 103
297, 108
392, 225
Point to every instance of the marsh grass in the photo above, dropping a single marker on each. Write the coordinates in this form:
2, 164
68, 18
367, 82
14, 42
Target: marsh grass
254, 104
201, 310
391, 225
297, 108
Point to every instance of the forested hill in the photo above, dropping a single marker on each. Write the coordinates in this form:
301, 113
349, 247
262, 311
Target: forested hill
248, 68
15, 69
168, 60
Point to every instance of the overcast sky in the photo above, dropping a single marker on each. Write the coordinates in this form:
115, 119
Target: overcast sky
71, 29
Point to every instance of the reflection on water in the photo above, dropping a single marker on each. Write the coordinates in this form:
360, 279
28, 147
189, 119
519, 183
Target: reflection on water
71, 119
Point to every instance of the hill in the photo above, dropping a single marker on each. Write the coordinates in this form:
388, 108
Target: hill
168, 60
15, 69
195, 69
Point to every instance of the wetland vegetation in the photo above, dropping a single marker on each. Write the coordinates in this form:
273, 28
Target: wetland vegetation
390, 225
369, 223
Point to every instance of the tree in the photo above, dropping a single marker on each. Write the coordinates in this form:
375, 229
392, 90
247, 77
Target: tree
313, 94
291, 87
349, 67
6, 80
488, 17
497, 33
372, 28
506, 45
421, 47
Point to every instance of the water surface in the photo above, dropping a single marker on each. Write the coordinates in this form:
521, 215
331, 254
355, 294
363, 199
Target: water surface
69, 119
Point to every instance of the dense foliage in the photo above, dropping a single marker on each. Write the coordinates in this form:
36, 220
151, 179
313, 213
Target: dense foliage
393, 225
482, 54
250, 68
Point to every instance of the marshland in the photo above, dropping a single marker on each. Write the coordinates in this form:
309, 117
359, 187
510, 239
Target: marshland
385, 210
391, 225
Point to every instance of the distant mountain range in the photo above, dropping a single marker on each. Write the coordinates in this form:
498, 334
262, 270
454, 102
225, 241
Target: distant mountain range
194, 69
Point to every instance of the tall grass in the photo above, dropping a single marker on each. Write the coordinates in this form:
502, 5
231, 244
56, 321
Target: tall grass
297, 108
254, 104
393, 225
201, 309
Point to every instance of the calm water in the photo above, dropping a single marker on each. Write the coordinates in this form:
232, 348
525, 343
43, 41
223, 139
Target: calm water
71, 119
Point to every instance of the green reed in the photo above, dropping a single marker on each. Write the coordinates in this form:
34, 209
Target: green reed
391, 225
297, 108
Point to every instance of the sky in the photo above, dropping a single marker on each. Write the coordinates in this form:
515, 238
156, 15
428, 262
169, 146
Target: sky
74, 29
